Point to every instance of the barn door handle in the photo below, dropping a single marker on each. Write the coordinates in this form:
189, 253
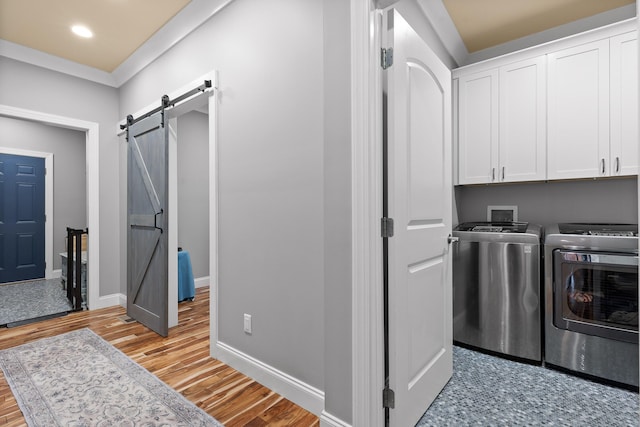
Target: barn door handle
155, 221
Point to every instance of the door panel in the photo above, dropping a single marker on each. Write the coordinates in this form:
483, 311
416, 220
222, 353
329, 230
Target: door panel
22, 218
147, 261
419, 185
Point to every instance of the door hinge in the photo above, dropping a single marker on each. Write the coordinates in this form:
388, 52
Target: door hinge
388, 398
387, 227
386, 58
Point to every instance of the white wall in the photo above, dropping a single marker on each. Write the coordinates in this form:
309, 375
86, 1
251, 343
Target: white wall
269, 57
33, 88
69, 181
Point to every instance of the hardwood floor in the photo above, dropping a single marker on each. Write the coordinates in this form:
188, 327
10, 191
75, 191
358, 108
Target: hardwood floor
181, 360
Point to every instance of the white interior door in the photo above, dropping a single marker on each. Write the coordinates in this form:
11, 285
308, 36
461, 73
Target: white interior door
419, 201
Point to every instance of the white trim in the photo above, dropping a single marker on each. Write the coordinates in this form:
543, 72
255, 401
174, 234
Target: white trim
328, 420
110, 300
300, 393
575, 28
542, 49
93, 185
172, 238
48, 202
56, 274
213, 218
366, 211
202, 282
440, 20
55, 63
196, 13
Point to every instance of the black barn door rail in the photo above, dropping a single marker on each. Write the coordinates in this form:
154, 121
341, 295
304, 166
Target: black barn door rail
166, 102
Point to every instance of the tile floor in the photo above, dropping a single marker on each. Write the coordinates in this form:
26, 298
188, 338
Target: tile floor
491, 391
28, 300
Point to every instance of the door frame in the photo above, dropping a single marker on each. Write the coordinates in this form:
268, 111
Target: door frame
367, 329
92, 156
172, 201
48, 202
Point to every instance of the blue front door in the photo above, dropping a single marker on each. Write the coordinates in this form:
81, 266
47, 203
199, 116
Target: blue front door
22, 218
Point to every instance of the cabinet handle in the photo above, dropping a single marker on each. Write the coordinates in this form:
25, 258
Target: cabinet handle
602, 166
503, 173
493, 174
617, 164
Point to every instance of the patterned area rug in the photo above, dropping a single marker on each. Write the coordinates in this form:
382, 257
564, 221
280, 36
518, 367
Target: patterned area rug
491, 391
79, 379
30, 300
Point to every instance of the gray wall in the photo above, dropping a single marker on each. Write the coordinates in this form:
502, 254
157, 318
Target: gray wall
271, 217
337, 210
604, 200
69, 181
193, 189
38, 89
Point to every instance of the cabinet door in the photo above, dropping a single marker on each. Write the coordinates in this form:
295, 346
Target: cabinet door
578, 111
523, 121
478, 128
624, 104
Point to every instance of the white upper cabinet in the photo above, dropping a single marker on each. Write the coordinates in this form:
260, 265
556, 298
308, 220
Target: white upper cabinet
623, 159
478, 128
578, 106
562, 110
501, 124
522, 136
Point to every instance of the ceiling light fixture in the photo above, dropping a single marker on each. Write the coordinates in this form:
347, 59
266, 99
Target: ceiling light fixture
82, 31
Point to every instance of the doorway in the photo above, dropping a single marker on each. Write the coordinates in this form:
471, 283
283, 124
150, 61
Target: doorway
205, 103
90, 135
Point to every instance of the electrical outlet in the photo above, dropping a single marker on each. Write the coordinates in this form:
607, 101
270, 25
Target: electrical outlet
247, 323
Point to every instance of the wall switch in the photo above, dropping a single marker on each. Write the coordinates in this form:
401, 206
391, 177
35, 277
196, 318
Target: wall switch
247, 323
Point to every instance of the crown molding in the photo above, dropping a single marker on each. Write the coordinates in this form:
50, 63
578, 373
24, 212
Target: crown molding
181, 25
192, 16
54, 63
444, 27
603, 19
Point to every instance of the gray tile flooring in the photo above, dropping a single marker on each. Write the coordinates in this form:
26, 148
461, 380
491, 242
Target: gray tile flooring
492, 391
28, 300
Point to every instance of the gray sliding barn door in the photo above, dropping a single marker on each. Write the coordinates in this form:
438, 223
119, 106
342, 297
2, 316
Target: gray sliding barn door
147, 260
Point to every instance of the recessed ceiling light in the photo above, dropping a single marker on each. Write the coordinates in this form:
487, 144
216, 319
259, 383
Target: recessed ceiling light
82, 31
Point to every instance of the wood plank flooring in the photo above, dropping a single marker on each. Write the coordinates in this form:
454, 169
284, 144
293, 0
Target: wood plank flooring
181, 360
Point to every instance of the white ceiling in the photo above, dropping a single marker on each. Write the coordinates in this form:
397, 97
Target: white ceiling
129, 34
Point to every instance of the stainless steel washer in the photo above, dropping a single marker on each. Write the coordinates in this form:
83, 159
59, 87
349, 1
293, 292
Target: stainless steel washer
496, 288
591, 300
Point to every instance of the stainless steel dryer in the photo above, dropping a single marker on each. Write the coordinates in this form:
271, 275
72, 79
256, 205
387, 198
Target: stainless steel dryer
591, 300
496, 288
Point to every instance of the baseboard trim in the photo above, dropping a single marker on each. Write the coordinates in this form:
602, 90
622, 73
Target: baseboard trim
328, 420
109, 301
300, 393
56, 274
202, 282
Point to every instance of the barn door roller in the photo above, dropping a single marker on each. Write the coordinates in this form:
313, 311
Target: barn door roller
166, 102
